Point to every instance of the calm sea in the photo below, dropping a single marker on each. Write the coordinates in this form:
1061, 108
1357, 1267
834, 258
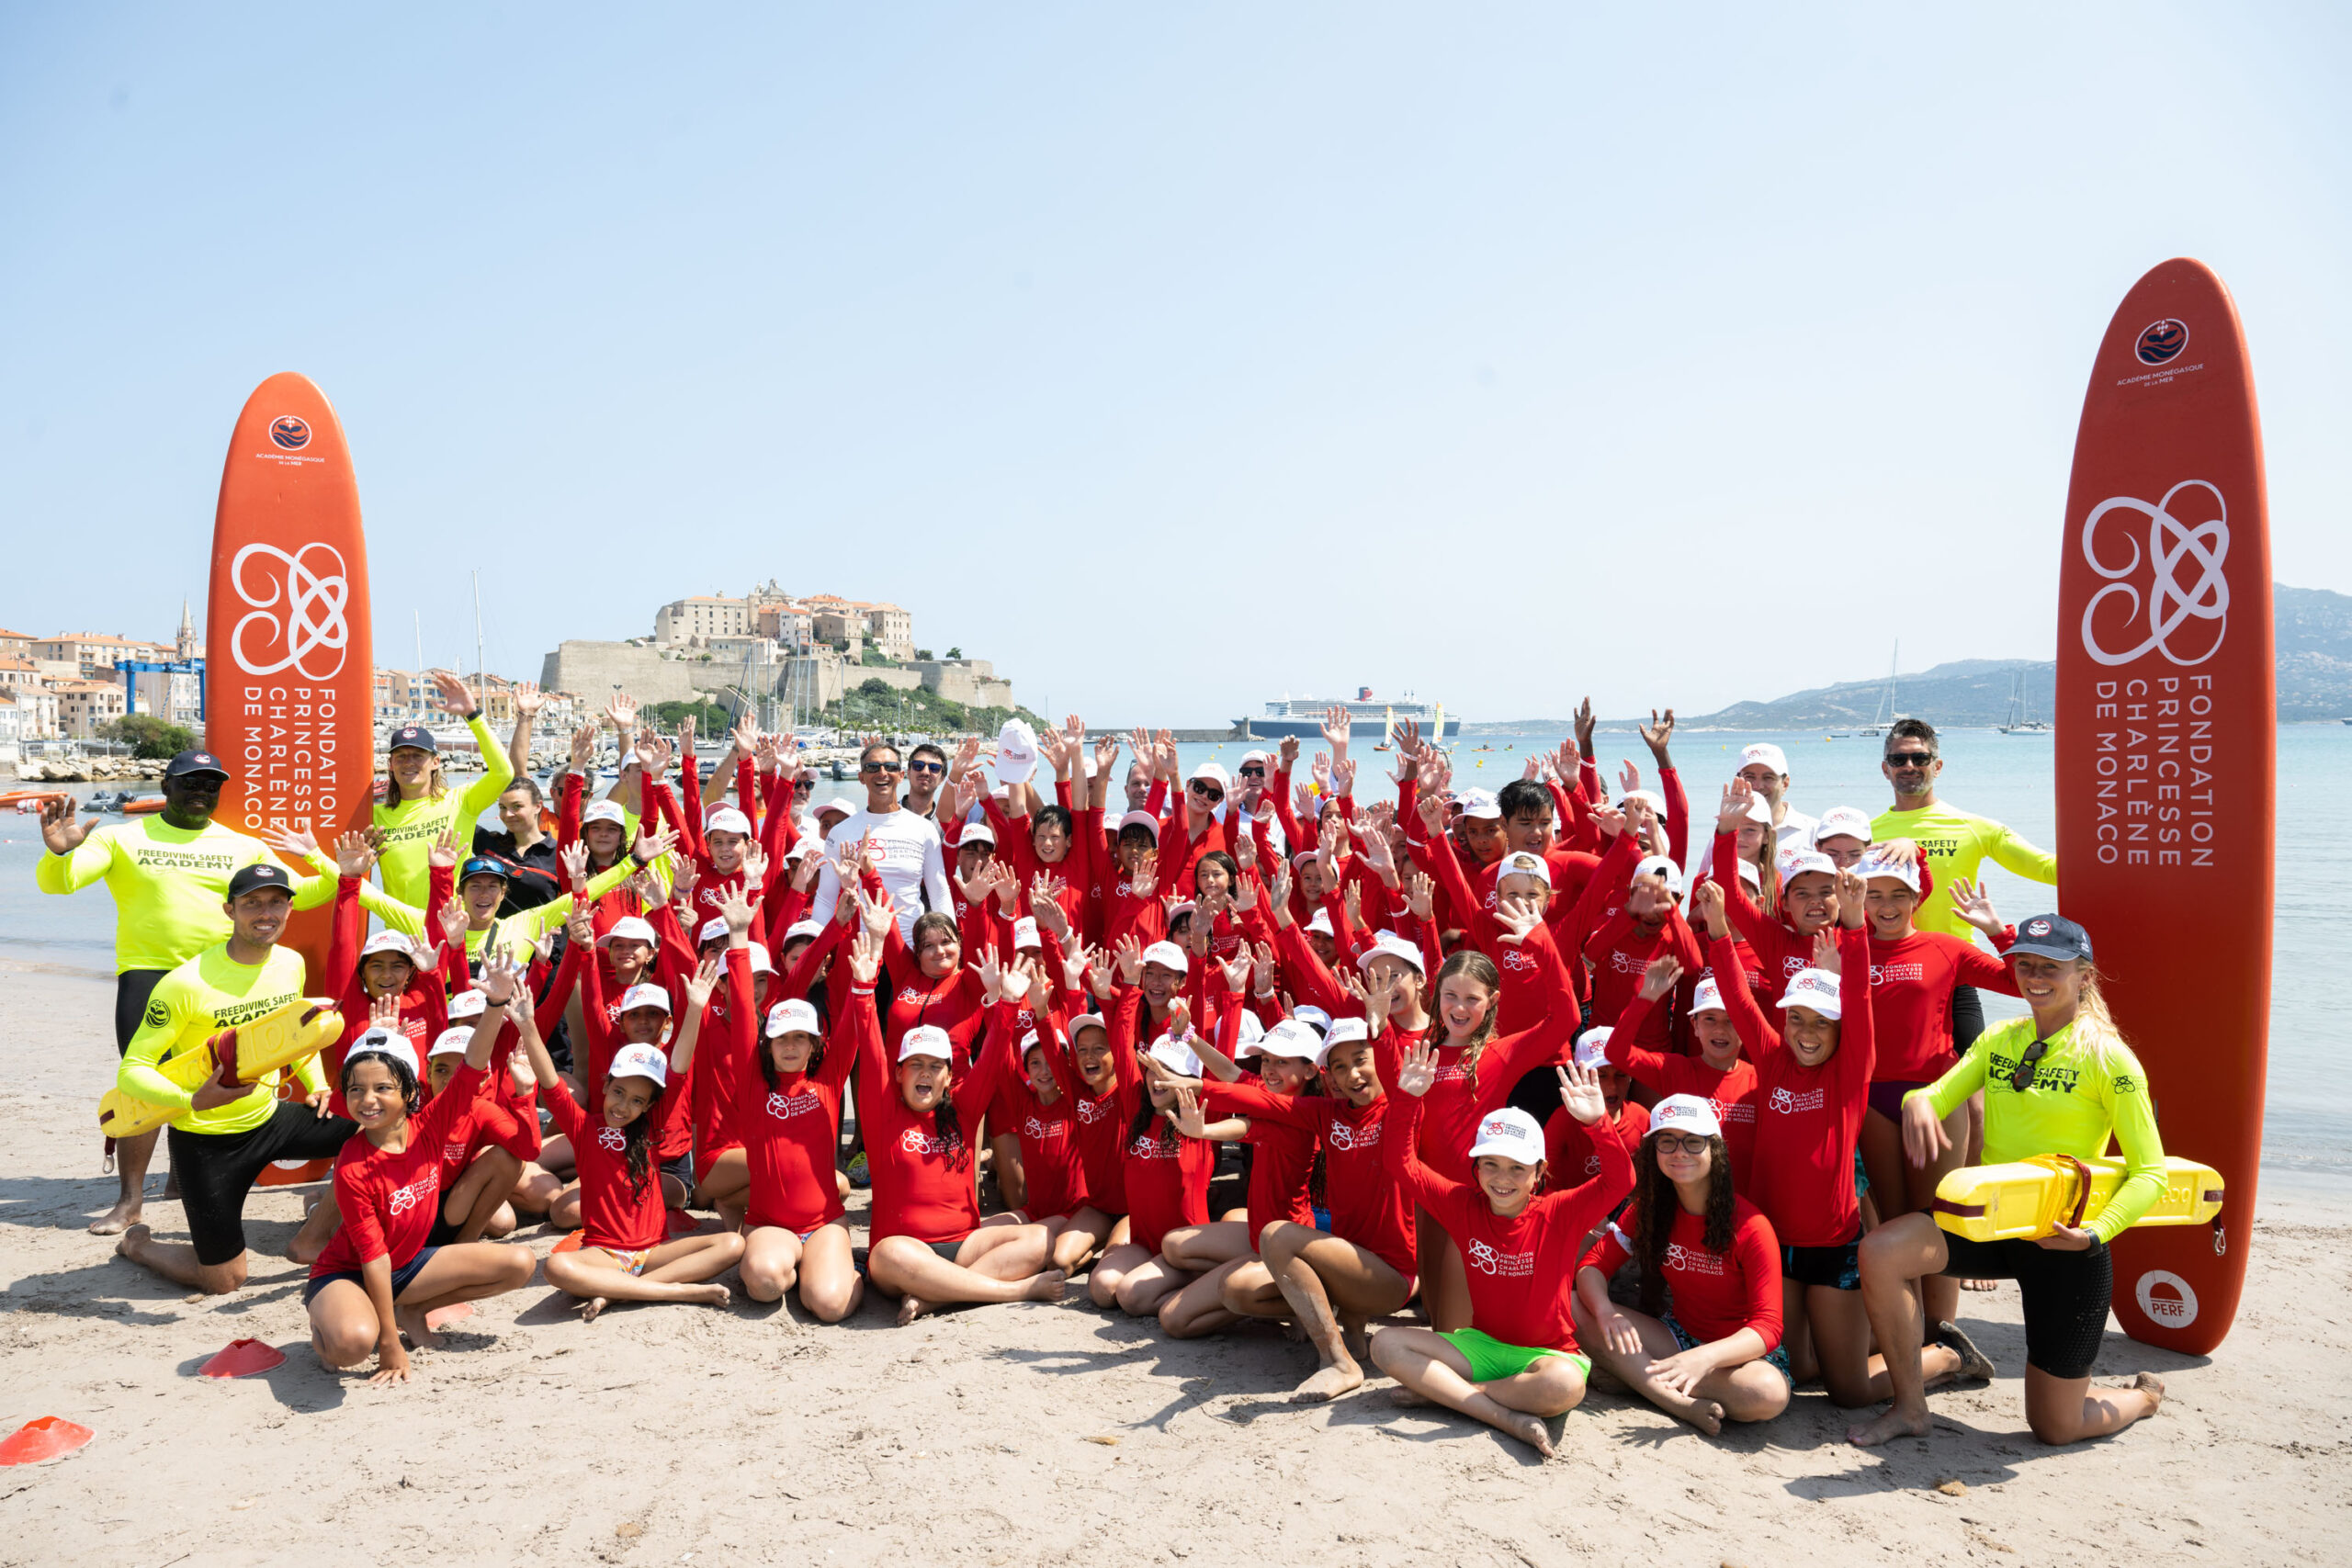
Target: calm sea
2308, 1137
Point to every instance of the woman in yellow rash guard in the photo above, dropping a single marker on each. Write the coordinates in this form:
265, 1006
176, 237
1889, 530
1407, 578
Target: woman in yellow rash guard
169, 875
2060, 1081
417, 806
223, 1135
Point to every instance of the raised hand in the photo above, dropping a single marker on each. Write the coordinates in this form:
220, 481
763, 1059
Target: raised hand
501, 978
737, 911
1129, 953
1431, 806
1416, 1069
1824, 954
865, 957
529, 701
579, 926
1276, 894
1731, 815
384, 1013
1187, 1114
60, 834
1658, 979
1518, 916
1351, 899
1972, 902
804, 875
650, 847
354, 855
621, 712
1106, 756
1707, 902
1657, 733
1047, 911
991, 974
1147, 875
1014, 982
1629, 778
1236, 970
1580, 1092
1585, 726
1180, 1018
1566, 762
442, 856
583, 748
1421, 895
294, 843
1336, 722
683, 878
755, 865
705, 981
1851, 903
455, 695
452, 925
1286, 753
1343, 774
876, 915
1608, 818
1262, 966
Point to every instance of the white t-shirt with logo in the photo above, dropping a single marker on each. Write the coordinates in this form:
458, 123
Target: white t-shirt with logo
912, 864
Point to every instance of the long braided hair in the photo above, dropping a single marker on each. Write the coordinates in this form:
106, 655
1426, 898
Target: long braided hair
1656, 1205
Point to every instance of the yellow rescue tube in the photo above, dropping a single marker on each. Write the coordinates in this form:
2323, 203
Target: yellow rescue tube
249, 1053
2032, 1198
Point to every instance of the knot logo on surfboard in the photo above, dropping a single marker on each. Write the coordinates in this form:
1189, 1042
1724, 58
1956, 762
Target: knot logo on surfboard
310, 587
293, 433
2175, 548
2160, 342
2167, 1298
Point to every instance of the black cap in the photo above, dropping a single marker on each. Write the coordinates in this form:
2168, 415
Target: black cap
414, 735
2051, 936
261, 873
191, 763
483, 866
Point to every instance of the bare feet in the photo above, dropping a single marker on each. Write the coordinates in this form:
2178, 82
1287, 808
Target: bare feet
1048, 1286
1329, 1382
415, 1328
596, 1305
1980, 1284
1353, 1339
911, 1308
457, 1312
121, 1217
710, 1295
133, 1234
1529, 1429
1886, 1428
1404, 1398
2153, 1386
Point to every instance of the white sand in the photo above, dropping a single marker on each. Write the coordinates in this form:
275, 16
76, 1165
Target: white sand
677, 1435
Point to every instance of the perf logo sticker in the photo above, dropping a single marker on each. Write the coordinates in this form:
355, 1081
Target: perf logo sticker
2167, 1299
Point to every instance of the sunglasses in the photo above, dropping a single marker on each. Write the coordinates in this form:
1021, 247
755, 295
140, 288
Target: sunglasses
1207, 791
802, 787
2021, 1079
926, 767
1253, 773
1909, 759
879, 768
1690, 1144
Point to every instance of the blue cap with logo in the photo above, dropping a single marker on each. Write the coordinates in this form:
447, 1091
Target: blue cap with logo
414, 735
2051, 936
261, 873
189, 764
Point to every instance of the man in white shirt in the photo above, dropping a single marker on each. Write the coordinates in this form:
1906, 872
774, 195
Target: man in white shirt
907, 847
1766, 768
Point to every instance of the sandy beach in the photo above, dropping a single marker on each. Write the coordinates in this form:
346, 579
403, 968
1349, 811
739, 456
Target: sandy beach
1013, 1434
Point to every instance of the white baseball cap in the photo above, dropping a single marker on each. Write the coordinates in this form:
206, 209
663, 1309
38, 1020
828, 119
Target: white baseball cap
1322, 922
802, 848
1510, 1133
645, 996
760, 962
385, 1042
1252, 1030
1764, 751
1686, 1114
1288, 1038
1088, 1020
640, 1061
1481, 804
1168, 956
1748, 873
1213, 772
1143, 819
451, 1043
1592, 1047
1842, 821
605, 811
1813, 988
1177, 1056
1250, 756
1016, 752
793, 1015
1394, 946
799, 929
926, 1040
468, 1003
1659, 865
1344, 1031
1802, 863
1760, 810
713, 930
1520, 862
389, 942
630, 927
1649, 797
837, 804
1875, 864
976, 833
1025, 933
1315, 1018
727, 819
1707, 995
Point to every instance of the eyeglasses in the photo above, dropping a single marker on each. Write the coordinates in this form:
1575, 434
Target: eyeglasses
878, 767
1206, 790
1909, 759
1690, 1144
926, 767
2021, 1079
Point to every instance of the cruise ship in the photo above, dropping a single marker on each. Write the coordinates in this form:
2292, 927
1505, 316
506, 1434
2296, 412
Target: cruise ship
1370, 717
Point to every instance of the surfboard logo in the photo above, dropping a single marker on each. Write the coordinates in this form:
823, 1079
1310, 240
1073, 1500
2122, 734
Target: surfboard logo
2167, 1299
2173, 545
310, 587
2160, 342
290, 431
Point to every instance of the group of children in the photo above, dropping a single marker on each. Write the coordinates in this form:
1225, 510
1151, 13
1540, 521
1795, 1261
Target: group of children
1495, 1053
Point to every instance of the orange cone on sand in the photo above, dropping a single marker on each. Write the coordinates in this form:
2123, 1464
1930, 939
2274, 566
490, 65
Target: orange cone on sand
243, 1358
38, 1441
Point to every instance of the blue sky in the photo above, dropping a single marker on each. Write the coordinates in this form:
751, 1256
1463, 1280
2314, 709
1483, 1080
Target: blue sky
1172, 358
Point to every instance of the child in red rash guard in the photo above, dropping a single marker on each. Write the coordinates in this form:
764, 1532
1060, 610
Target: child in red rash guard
1517, 1362
1167, 1171
1913, 975
788, 1114
1647, 925
1568, 1153
1719, 1074
1090, 1072
379, 1275
1808, 897
1476, 1070
360, 971
485, 1147
1811, 1085
930, 1245
1716, 1352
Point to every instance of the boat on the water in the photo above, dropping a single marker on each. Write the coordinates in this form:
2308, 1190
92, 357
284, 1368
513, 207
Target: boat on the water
2020, 722
1368, 718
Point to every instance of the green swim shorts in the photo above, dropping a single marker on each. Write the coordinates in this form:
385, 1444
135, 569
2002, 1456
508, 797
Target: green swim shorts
1491, 1358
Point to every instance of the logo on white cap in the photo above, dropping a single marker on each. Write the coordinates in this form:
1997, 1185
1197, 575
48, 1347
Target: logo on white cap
1592, 1047
1662, 867
1168, 956
1764, 751
1025, 932
1813, 988
630, 927
1510, 1133
605, 811
1875, 864
452, 1042
1394, 946
640, 1061
645, 996
385, 1043
727, 819
1289, 1037
1177, 1056
926, 1040
1842, 823
467, 1004
1707, 995
1521, 863
791, 1016
1686, 1114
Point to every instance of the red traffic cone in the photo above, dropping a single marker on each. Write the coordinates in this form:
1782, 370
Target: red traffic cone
455, 1311
681, 1224
243, 1358
49, 1438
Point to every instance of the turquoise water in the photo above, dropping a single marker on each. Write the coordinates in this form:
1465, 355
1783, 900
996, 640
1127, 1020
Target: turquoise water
2308, 1133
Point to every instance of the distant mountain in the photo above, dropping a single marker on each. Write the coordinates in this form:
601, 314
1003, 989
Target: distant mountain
2314, 633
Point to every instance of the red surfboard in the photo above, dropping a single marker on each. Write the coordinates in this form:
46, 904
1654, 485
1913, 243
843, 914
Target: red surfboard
289, 670
2166, 757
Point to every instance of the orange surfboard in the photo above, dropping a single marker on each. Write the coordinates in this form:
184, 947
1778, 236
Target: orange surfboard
2165, 758
290, 677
